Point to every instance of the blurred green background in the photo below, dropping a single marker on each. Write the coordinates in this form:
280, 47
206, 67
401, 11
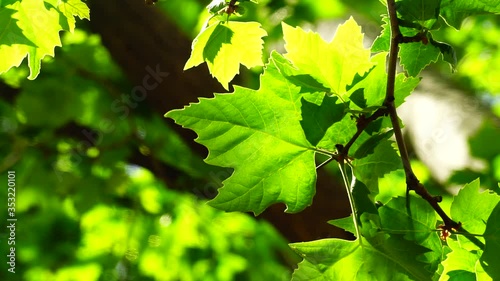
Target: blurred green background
107, 189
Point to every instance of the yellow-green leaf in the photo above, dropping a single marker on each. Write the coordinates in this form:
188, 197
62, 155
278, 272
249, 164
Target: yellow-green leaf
224, 46
31, 28
334, 64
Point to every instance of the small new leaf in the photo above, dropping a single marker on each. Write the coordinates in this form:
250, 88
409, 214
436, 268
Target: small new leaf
225, 46
416, 56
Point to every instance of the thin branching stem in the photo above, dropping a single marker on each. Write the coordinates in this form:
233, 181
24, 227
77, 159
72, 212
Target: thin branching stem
362, 123
389, 108
348, 188
411, 180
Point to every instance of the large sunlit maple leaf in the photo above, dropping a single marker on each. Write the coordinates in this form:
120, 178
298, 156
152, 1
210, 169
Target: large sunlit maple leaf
258, 133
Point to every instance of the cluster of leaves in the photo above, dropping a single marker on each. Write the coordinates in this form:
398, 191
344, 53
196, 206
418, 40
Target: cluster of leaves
122, 221
309, 101
85, 214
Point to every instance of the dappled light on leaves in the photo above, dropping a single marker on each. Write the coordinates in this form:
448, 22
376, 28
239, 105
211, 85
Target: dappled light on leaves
104, 186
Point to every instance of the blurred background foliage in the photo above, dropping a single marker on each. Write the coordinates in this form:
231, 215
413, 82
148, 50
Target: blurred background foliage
88, 207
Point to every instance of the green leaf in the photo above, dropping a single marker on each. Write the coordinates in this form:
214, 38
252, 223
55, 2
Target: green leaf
489, 259
417, 223
307, 83
448, 53
316, 119
363, 202
383, 160
460, 264
455, 11
473, 208
333, 64
31, 28
258, 133
72, 8
339, 133
404, 87
416, 56
335, 259
225, 46
423, 12
308, 87
345, 223
383, 42
368, 146
375, 81
358, 98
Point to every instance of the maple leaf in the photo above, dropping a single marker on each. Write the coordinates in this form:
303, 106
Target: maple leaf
225, 46
258, 133
334, 64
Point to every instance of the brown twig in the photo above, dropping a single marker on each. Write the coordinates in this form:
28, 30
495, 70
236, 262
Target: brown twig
343, 151
412, 181
361, 123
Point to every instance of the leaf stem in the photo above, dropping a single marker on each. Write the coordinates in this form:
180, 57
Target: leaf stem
412, 183
332, 156
349, 188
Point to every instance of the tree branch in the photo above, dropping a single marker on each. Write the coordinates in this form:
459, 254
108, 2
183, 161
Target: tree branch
362, 123
412, 183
